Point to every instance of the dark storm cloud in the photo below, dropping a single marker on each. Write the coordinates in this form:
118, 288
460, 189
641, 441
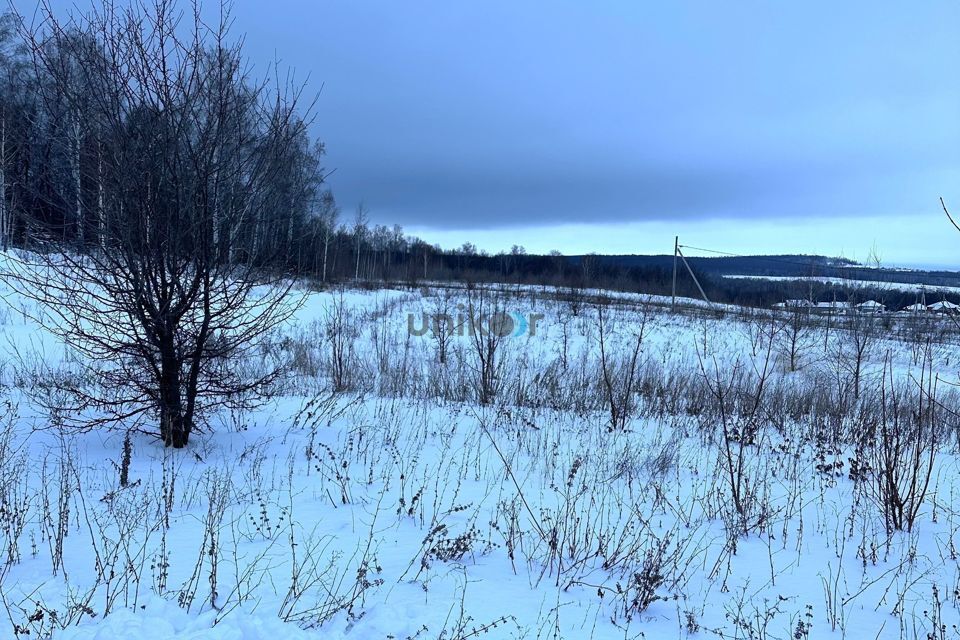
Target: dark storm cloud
503, 113
465, 197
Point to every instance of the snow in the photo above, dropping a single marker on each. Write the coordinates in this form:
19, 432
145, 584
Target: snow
162, 620
403, 509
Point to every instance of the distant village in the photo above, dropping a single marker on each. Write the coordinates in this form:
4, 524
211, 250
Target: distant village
868, 306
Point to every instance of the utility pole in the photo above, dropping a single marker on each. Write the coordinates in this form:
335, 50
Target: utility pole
694, 276
673, 296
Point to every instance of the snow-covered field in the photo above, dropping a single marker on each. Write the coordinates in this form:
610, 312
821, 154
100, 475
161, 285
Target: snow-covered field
700, 489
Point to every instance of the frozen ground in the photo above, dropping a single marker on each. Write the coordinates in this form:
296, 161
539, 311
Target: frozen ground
734, 498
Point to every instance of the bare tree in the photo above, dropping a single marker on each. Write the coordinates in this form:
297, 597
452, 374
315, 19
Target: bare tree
855, 346
328, 219
166, 305
796, 336
360, 221
12, 81
445, 323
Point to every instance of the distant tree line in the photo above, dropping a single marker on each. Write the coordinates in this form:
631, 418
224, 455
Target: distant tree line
70, 131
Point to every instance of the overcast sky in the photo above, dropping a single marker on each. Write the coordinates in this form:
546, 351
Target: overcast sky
751, 127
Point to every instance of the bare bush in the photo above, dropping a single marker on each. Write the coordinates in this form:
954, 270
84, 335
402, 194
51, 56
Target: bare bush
739, 392
619, 378
341, 331
906, 438
488, 327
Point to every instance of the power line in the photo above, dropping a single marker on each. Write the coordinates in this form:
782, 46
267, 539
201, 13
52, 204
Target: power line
839, 269
812, 261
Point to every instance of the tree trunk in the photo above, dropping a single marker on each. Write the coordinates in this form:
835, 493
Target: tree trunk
101, 212
356, 273
326, 244
5, 226
174, 426
78, 202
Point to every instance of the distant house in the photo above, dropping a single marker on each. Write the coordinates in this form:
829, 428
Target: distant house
794, 304
871, 306
832, 307
915, 308
943, 307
